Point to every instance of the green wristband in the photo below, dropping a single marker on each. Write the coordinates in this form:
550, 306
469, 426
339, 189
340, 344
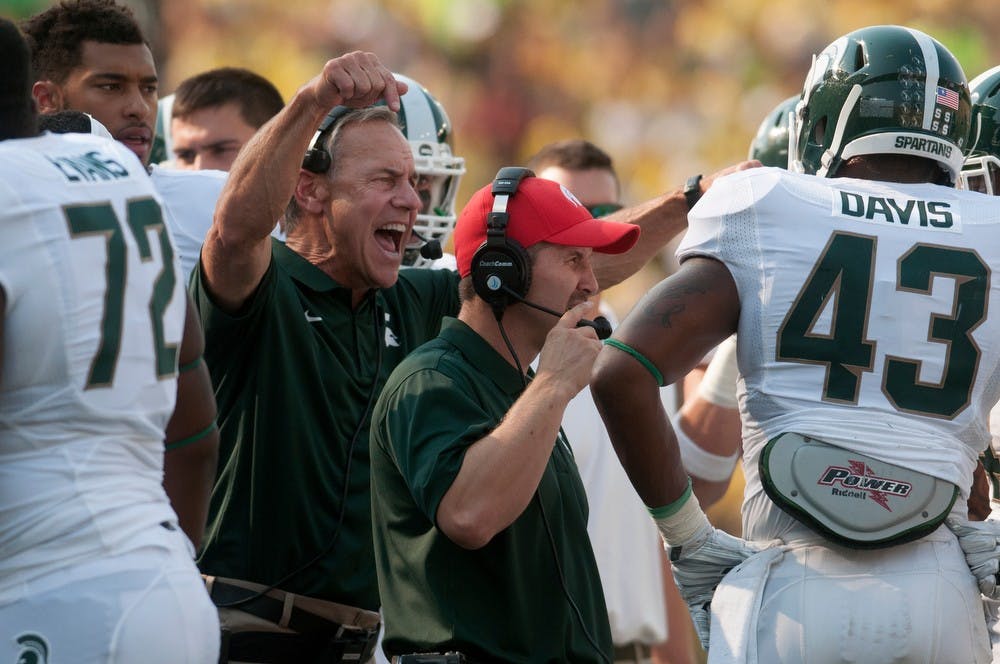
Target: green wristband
190, 365
672, 508
643, 360
190, 439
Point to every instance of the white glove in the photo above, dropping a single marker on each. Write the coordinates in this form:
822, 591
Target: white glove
700, 556
980, 541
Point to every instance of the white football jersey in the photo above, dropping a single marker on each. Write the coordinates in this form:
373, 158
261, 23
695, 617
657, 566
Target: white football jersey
189, 199
869, 316
94, 317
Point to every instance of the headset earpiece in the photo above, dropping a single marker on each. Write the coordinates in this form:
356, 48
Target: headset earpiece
317, 158
501, 264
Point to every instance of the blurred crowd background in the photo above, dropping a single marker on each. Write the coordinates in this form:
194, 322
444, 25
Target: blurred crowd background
667, 88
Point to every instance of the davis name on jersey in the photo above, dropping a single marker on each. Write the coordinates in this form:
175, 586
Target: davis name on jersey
906, 212
869, 317
93, 322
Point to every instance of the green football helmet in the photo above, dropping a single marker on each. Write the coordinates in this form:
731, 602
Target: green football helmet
882, 90
982, 162
770, 145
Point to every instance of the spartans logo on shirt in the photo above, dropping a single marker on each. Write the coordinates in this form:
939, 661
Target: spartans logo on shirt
34, 649
390, 336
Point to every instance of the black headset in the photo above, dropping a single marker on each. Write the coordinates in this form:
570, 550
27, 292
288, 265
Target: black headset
318, 159
501, 264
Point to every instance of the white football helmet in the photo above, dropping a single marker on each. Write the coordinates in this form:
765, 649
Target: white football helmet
428, 129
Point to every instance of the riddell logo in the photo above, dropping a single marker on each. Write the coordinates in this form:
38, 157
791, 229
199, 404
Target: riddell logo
860, 482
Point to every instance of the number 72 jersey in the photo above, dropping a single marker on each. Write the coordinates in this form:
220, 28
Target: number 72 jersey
95, 308
869, 313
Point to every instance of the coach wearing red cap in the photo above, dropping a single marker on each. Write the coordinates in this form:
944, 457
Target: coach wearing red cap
480, 517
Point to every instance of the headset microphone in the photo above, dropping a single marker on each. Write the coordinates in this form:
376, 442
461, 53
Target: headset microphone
600, 324
430, 249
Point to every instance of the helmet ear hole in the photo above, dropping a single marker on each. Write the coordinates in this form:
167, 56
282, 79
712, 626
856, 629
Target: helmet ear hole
860, 57
819, 131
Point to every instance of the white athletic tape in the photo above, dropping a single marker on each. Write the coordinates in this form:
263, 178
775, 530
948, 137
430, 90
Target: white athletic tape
685, 524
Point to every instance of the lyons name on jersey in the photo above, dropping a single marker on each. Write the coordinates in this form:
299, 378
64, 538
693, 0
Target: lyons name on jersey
935, 215
89, 167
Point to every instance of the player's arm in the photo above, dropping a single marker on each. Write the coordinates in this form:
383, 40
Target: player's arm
663, 338
266, 173
979, 496
667, 333
660, 219
708, 424
192, 438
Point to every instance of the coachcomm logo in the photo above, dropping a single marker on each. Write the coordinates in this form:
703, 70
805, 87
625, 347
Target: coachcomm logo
859, 481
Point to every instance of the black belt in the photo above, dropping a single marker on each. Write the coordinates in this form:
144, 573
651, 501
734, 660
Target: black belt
317, 639
269, 608
633, 652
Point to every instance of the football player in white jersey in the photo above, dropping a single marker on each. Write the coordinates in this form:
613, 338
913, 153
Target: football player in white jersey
981, 173
100, 369
91, 56
861, 292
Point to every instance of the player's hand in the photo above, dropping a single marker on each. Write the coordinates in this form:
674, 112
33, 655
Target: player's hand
569, 352
356, 79
980, 541
699, 565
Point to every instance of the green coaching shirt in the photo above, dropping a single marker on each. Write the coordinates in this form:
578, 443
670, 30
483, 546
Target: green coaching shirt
295, 372
505, 601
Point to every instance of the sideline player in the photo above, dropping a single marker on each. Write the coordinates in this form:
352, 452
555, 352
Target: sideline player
101, 365
862, 301
91, 56
981, 173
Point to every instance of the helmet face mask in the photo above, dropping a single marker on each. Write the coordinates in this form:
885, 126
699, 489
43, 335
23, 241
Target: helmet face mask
981, 171
881, 90
428, 130
982, 174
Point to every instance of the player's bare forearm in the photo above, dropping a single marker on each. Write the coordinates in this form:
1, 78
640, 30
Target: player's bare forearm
191, 437
188, 475
627, 398
664, 337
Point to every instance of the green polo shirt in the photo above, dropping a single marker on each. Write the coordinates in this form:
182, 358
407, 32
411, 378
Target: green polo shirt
295, 372
503, 602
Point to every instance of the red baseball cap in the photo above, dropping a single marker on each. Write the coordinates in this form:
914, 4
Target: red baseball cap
539, 211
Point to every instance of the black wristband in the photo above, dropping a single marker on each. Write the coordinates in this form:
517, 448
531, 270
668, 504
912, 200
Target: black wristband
692, 190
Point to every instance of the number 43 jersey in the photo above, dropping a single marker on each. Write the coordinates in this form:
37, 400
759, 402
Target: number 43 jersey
92, 326
869, 316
